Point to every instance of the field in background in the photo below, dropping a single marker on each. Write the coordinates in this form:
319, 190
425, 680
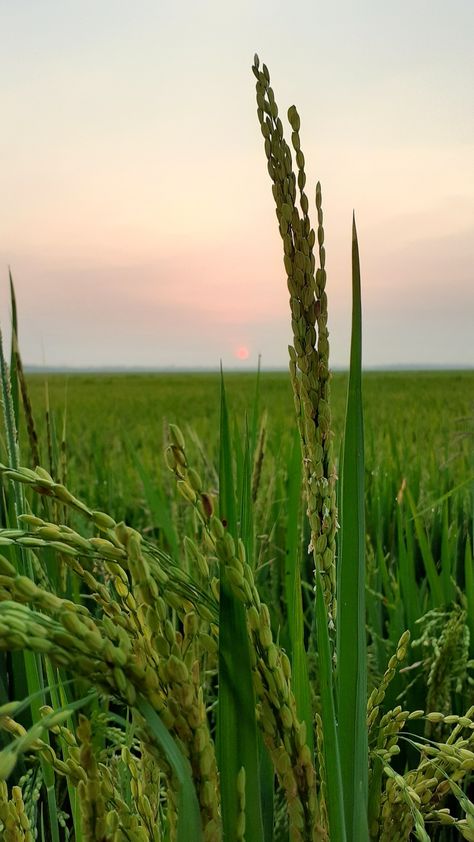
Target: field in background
416, 425
418, 433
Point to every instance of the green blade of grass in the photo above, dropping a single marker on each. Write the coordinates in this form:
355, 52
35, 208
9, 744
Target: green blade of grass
157, 504
408, 584
266, 771
189, 818
469, 589
10, 426
436, 587
246, 507
293, 593
32, 667
255, 413
352, 646
18, 384
13, 355
446, 568
331, 749
227, 505
60, 699
450, 493
239, 456
237, 740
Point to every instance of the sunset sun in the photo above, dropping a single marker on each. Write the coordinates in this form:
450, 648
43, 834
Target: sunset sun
242, 352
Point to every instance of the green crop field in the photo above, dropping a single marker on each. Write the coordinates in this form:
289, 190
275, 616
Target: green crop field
108, 435
417, 423
239, 608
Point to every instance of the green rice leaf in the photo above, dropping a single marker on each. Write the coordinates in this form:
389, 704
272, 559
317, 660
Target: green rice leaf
13, 354
189, 818
332, 762
237, 738
293, 593
436, 587
446, 556
469, 589
352, 645
246, 506
255, 412
407, 574
437, 502
157, 504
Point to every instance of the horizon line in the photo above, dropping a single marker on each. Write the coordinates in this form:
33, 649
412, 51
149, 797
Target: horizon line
123, 369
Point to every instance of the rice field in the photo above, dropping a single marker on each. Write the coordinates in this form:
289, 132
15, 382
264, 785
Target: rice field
418, 440
419, 422
239, 608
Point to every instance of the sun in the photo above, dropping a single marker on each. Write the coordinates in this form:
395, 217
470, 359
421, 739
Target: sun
242, 352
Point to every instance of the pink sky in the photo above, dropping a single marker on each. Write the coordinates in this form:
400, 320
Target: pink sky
137, 213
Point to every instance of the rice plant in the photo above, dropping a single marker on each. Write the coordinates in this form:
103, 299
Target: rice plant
238, 668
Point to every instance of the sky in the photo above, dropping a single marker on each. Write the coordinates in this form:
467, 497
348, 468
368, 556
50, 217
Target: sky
137, 214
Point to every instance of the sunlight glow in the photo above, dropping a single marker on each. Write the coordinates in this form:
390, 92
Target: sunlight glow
242, 353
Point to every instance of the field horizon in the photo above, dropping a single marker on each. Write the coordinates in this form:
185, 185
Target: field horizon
119, 369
